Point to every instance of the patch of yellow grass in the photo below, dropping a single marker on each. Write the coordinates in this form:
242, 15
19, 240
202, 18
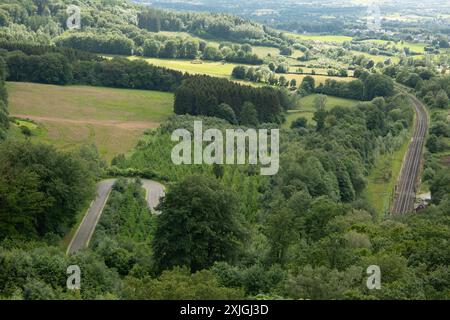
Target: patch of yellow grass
112, 119
320, 38
318, 78
213, 68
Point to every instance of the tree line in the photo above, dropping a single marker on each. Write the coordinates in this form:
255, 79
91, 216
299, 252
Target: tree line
31, 48
42, 190
204, 95
111, 28
4, 120
55, 68
98, 43
159, 46
192, 49
366, 87
433, 88
264, 74
219, 26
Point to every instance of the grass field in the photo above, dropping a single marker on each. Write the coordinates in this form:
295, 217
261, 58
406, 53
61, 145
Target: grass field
212, 68
265, 51
376, 58
297, 54
186, 35
224, 70
306, 108
383, 178
414, 47
70, 116
219, 69
320, 38
318, 78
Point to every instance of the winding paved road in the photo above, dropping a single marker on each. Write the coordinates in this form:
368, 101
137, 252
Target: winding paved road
405, 191
86, 229
155, 191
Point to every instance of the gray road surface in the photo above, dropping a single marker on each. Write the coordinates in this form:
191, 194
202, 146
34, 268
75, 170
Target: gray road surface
86, 229
81, 239
155, 191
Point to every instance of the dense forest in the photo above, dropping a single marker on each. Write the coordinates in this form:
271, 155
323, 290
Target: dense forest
218, 26
123, 28
203, 95
41, 189
305, 233
160, 47
61, 66
4, 120
367, 87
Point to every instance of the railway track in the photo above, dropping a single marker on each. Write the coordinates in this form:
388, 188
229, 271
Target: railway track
405, 191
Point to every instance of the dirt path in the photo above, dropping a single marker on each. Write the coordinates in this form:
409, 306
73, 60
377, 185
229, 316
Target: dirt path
111, 123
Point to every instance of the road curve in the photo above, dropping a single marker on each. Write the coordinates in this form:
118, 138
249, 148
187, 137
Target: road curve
405, 190
81, 239
155, 191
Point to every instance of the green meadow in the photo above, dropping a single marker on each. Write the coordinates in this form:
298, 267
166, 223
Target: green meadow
306, 108
69, 116
320, 38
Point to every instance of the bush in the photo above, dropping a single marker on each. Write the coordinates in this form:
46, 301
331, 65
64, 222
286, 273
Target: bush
299, 123
50, 186
26, 131
198, 225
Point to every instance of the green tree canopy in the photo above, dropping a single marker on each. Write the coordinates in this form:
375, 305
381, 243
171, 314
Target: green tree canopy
197, 226
377, 85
